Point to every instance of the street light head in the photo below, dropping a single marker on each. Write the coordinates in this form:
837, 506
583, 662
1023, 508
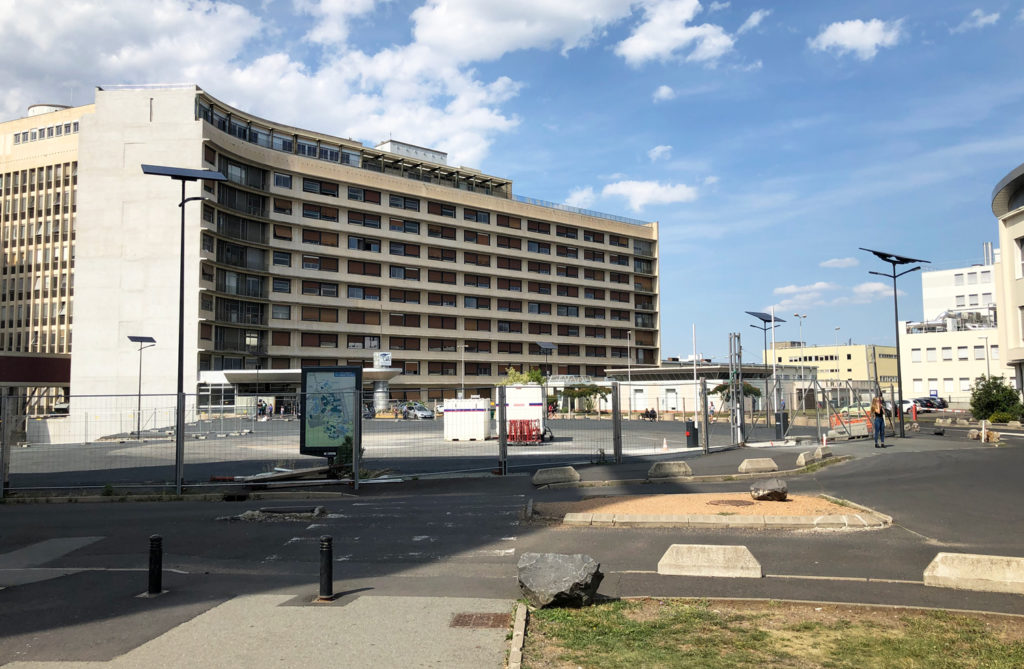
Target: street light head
767, 318
140, 339
183, 173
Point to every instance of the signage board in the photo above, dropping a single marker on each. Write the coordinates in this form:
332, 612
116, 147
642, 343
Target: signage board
382, 360
331, 413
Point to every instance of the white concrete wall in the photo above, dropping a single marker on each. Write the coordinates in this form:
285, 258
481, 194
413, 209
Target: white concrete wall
127, 250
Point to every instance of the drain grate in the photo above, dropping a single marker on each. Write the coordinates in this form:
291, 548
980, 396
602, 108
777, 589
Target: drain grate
482, 620
731, 502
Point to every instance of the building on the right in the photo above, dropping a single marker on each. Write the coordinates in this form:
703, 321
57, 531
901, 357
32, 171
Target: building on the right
958, 339
1008, 207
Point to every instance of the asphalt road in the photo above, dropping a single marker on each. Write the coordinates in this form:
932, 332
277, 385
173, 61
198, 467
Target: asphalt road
72, 571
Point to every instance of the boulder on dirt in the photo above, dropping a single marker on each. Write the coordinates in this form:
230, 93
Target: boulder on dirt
558, 580
771, 490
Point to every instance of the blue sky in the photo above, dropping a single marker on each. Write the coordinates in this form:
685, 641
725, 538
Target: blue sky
770, 140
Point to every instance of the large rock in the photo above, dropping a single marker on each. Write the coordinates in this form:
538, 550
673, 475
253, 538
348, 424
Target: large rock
772, 490
555, 475
554, 579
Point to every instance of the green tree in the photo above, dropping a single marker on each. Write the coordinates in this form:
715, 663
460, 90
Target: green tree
991, 394
588, 393
723, 390
514, 377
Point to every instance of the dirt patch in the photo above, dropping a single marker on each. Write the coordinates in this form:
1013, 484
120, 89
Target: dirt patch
691, 504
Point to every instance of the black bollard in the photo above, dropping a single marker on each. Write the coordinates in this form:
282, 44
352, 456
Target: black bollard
156, 564
326, 568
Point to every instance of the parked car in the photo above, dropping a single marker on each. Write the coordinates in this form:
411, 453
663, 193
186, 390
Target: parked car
926, 404
416, 410
905, 406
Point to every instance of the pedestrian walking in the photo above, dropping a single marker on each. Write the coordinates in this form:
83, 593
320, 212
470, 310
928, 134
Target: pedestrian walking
877, 415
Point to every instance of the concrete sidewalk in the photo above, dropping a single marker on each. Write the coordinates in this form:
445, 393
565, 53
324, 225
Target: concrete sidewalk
369, 631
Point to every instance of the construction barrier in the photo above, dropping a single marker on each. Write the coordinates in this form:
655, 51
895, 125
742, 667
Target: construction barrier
524, 431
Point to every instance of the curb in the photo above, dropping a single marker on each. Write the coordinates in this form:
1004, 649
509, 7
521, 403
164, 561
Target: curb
709, 478
515, 651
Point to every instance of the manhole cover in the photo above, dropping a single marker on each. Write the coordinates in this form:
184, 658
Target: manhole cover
731, 502
482, 620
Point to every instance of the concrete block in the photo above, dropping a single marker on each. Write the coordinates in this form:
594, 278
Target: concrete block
786, 522
555, 475
669, 469
707, 560
967, 571
823, 452
745, 522
858, 429
603, 520
705, 520
805, 459
756, 465
577, 519
649, 520
832, 522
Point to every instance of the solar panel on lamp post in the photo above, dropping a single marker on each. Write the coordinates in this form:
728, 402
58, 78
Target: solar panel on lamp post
184, 175
144, 343
894, 260
764, 327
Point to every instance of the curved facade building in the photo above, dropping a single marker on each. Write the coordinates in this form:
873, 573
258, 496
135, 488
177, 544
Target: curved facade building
1008, 207
318, 250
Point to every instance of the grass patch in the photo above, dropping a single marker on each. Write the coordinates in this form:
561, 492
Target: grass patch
734, 635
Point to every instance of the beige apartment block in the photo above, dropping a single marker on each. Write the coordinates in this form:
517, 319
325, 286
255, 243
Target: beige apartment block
318, 250
38, 202
841, 362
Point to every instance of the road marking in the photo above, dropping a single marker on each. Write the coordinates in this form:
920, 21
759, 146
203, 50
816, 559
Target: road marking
44, 551
796, 577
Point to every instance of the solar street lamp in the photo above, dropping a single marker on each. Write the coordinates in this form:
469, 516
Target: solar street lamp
184, 175
144, 343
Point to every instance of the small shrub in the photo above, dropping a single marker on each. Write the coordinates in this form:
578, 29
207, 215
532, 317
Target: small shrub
1002, 417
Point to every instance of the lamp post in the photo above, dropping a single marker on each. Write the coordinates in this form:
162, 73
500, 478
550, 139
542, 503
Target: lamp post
988, 368
801, 318
894, 260
144, 343
462, 375
629, 375
184, 175
768, 322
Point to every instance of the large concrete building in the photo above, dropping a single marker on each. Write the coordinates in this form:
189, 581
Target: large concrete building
38, 202
842, 362
316, 250
958, 340
1008, 207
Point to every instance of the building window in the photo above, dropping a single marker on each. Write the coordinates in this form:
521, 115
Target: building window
958, 279
972, 300
441, 209
979, 352
961, 300
364, 195
328, 188
282, 258
365, 220
321, 288
364, 244
509, 222
441, 231
474, 237
478, 259
477, 302
538, 227
947, 352
364, 268
363, 317
364, 292
965, 385
398, 225
591, 236
400, 202
476, 280
281, 312
406, 273
476, 215
404, 343
539, 247
440, 254
401, 249
404, 296
930, 355
961, 353
510, 263
282, 286
282, 180
404, 320
993, 352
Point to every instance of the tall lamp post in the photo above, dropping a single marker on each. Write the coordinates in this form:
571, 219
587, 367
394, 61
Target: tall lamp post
801, 318
895, 260
144, 343
184, 175
768, 322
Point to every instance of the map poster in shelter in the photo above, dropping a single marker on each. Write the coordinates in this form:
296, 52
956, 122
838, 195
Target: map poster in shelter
330, 411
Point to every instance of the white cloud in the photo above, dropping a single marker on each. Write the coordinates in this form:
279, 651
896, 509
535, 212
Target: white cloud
839, 262
976, 19
666, 30
710, 180
659, 152
871, 291
642, 193
815, 287
663, 93
331, 18
858, 37
716, 6
425, 91
582, 198
753, 20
